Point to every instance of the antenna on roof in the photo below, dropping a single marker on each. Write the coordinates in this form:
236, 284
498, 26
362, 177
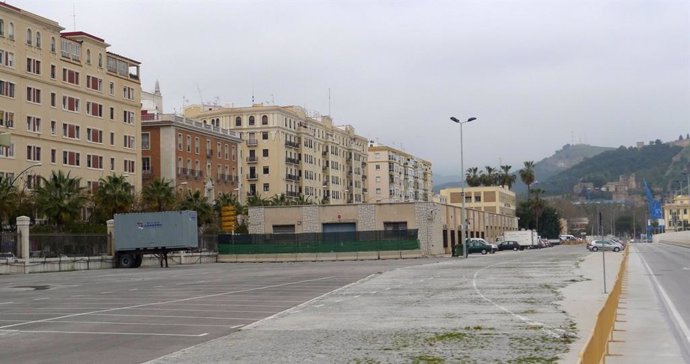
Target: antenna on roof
201, 98
74, 15
329, 101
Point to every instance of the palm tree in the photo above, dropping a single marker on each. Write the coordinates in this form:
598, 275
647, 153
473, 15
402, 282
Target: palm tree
60, 198
280, 200
158, 195
527, 175
303, 200
472, 177
114, 195
506, 178
537, 205
8, 197
489, 178
257, 200
195, 201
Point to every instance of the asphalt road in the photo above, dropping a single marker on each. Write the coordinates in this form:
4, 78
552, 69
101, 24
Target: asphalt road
669, 267
135, 315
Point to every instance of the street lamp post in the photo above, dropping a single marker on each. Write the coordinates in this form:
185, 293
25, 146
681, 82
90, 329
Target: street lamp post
22, 172
462, 186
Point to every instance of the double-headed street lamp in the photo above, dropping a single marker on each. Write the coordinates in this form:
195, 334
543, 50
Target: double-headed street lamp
22, 172
463, 215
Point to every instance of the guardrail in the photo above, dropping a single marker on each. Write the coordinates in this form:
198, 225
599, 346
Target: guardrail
597, 346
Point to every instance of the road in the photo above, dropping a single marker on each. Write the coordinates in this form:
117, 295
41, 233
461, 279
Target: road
669, 269
135, 315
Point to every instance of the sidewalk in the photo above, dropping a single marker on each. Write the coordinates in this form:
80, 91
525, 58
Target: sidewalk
642, 333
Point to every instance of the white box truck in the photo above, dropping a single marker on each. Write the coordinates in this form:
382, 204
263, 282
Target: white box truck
526, 238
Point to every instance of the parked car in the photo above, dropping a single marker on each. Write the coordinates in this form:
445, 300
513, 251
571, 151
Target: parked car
509, 245
597, 245
476, 245
9, 257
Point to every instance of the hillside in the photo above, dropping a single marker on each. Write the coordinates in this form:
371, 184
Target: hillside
655, 163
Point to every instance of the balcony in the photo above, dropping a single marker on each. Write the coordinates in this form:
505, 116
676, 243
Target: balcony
292, 177
252, 159
292, 194
291, 160
291, 144
252, 177
252, 143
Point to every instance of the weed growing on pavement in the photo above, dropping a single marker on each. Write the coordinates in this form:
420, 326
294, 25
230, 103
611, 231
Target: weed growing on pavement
533, 360
427, 359
448, 336
364, 361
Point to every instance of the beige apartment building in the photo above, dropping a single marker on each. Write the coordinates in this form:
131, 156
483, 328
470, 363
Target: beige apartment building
286, 151
397, 176
677, 213
495, 199
68, 103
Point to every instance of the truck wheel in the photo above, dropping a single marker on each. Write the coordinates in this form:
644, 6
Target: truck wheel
484, 251
126, 261
137, 260
515, 249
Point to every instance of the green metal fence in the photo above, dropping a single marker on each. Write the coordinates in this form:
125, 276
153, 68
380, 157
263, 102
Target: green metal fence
359, 241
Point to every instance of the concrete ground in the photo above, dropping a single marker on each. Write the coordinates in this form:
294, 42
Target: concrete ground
506, 307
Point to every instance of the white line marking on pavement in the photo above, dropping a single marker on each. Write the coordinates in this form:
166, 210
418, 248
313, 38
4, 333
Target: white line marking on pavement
6, 303
41, 299
172, 301
171, 316
106, 292
137, 323
103, 333
678, 319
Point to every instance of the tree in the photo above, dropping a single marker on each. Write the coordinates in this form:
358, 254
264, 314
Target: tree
537, 205
195, 201
303, 200
114, 195
472, 177
489, 178
506, 178
257, 200
527, 175
8, 198
60, 198
158, 195
279, 200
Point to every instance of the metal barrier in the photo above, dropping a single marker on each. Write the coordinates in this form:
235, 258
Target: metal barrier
597, 346
67, 245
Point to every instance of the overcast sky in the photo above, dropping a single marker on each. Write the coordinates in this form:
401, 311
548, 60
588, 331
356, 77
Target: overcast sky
536, 74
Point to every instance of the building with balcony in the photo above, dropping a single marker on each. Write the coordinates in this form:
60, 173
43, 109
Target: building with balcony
677, 213
68, 103
397, 176
286, 151
193, 155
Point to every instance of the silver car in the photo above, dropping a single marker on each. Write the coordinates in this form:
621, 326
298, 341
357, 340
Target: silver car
597, 245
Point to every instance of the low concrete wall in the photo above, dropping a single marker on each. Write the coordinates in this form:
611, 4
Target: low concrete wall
679, 237
42, 265
316, 257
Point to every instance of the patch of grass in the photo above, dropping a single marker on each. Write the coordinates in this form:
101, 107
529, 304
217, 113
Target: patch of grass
530, 311
364, 361
477, 328
427, 359
533, 360
447, 336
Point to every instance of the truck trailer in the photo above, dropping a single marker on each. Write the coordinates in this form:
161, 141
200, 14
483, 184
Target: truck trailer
142, 233
526, 238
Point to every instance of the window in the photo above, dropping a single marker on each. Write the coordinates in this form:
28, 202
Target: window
71, 158
112, 138
94, 135
251, 121
33, 153
70, 103
52, 44
53, 99
33, 124
53, 127
53, 156
264, 152
129, 166
196, 145
33, 95
128, 117
38, 39
70, 76
94, 109
28, 36
179, 142
226, 151
219, 151
7, 152
88, 56
2, 28
128, 141
112, 113
10, 31
267, 187
264, 135
112, 164
6, 58
128, 93
146, 164
7, 88
378, 167
33, 66
53, 71
112, 89
70, 131
7, 119
238, 121
94, 161
100, 60
265, 170
264, 120
145, 141
94, 83
189, 144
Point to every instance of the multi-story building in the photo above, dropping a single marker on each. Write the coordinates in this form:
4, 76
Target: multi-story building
677, 213
396, 176
285, 151
193, 155
68, 103
495, 199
